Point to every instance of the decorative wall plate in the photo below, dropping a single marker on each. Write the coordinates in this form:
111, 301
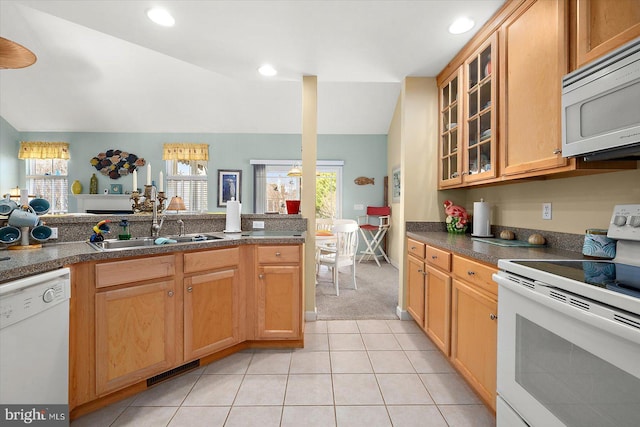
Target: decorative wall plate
116, 163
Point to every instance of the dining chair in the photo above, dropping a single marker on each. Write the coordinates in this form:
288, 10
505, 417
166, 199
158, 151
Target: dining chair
324, 224
342, 253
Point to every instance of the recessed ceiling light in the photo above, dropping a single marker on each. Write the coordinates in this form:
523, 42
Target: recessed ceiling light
267, 70
161, 17
461, 25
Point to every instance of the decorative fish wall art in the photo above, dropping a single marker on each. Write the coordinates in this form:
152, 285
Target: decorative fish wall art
363, 180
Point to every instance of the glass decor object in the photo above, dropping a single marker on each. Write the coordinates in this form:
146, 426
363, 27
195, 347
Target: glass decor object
457, 219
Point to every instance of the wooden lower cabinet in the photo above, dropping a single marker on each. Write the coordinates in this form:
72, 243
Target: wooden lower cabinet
278, 296
474, 330
134, 318
211, 312
135, 334
438, 308
416, 290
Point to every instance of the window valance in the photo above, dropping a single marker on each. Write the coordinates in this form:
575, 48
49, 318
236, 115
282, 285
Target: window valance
43, 150
185, 151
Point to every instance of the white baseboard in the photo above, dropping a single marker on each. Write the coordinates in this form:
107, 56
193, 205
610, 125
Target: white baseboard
311, 316
403, 314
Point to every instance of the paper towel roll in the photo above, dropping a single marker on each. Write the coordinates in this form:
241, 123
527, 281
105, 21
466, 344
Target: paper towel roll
481, 219
233, 217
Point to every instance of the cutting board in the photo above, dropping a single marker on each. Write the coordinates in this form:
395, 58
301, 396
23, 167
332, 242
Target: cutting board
509, 243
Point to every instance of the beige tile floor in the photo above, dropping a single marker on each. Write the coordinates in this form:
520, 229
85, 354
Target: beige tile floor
350, 373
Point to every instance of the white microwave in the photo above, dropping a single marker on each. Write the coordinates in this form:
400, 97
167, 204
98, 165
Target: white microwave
601, 107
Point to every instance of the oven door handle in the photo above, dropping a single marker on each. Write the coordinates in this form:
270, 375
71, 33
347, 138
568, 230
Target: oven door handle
626, 326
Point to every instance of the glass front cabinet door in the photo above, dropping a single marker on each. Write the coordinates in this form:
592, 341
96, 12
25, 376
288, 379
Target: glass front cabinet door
480, 114
450, 134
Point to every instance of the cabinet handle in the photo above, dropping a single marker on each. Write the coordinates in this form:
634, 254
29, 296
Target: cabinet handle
413, 248
493, 316
471, 273
557, 151
170, 293
464, 173
420, 271
190, 289
434, 256
277, 253
261, 276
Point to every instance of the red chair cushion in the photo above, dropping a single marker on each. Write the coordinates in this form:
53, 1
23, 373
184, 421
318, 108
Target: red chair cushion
378, 210
369, 227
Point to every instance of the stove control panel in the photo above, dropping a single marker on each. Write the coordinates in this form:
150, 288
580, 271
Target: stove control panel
625, 223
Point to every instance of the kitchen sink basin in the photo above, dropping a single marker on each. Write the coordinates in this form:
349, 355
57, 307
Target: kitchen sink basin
145, 242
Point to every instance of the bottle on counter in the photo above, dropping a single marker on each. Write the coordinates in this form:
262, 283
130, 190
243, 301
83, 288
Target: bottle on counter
124, 233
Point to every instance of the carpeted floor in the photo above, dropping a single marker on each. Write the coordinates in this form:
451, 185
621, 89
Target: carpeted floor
375, 298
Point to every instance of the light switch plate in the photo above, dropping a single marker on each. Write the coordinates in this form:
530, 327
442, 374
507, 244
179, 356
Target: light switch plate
358, 207
258, 224
54, 233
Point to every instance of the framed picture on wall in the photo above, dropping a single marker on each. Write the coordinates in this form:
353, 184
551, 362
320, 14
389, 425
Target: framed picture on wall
395, 185
229, 186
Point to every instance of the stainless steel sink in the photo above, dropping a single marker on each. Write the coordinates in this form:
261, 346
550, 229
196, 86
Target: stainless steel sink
145, 242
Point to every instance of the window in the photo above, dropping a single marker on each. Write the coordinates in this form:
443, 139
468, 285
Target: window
47, 178
273, 187
188, 179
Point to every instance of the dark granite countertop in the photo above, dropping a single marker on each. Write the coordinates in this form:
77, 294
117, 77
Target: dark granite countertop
464, 245
25, 262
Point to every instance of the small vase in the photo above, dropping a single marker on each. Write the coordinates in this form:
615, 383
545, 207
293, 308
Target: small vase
93, 184
76, 187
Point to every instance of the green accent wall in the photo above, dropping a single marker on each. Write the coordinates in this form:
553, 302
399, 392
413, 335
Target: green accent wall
363, 155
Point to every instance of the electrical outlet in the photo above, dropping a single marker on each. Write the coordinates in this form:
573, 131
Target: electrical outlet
54, 233
358, 207
258, 224
546, 211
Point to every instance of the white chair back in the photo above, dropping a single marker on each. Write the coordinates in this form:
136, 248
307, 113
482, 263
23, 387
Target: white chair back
324, 224
346, 241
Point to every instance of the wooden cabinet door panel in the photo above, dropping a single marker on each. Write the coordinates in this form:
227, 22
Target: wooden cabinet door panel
533, 52
135, 334
474, 338
438, 308
279, 301
415, 290
211, 313
604, 26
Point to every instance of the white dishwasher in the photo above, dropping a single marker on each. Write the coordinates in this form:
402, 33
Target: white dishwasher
34, 339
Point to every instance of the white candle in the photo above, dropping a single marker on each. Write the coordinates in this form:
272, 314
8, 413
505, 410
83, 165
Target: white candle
160, 184
135, 180
148, 173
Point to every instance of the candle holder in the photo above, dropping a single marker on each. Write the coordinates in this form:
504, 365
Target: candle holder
144, 203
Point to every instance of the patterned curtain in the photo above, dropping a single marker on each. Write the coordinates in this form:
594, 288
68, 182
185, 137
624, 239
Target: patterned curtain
43, 150
185, 151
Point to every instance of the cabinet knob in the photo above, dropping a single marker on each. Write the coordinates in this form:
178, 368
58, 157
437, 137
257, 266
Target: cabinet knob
261, 276
170, 293
471, 273
557, 151
493, 316
277, 253
424, 273
413, 248
420, 270
434, 256
190, 289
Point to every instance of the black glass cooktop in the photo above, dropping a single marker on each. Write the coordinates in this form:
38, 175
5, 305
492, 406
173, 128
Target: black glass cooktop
609, 275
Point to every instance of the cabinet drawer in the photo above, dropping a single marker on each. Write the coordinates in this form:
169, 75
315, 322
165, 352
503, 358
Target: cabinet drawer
415, 248
475, 273
134, 270
211, 260
278, 254
438, 257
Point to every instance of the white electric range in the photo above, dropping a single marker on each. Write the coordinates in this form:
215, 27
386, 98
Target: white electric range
569, 336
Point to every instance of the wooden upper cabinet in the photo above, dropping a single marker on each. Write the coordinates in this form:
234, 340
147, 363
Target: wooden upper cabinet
604, 25
450, 155
480, 113
533, 59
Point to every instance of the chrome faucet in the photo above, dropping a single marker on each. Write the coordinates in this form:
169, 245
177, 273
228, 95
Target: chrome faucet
181, 224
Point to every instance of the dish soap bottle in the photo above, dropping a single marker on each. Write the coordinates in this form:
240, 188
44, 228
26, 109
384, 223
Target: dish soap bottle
124, 234
93, 184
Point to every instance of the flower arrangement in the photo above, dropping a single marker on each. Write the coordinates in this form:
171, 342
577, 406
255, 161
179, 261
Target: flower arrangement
116, 163
457, 219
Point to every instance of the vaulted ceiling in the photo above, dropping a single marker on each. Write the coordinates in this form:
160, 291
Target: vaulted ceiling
103, 66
